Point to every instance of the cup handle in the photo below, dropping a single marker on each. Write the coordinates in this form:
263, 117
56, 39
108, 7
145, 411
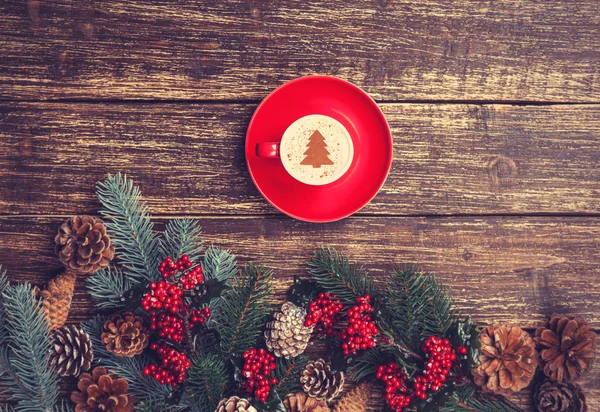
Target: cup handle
267, 149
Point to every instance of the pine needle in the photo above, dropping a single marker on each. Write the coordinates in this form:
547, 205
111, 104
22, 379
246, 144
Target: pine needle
109, 287
182, 237
207, 381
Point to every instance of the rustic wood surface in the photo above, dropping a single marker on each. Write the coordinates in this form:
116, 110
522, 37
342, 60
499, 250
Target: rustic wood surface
494, 108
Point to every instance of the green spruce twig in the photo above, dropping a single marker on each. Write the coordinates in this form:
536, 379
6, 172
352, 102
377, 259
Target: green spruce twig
109, 287
130, 227
336, 275
468, 398
207, 381
243, 310
25, 357
182, 237
219, 264
288, 373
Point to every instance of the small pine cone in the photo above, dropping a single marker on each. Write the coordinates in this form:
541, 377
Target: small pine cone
566, 346
71, 351
235, 404
56, 299
301, 402
125, 334
286, 336
559, 397
508, 360
320, 382
83, 245
102, 392
354, 401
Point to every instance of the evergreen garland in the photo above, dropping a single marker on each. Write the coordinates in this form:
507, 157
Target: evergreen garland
207, 381
243, 310
26, 375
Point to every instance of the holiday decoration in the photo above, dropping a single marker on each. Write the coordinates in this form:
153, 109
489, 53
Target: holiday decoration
71, 351
559, 397
320, 382
235, 404
83, 245
286, 335
124, 334
355, 400
301, 402
566, 346
316, 152
508, 360
56, 298
101, 392
184, 328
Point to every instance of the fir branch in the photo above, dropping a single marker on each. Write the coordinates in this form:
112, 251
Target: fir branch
366, 365
144, 388
336, 275
207, 381
109, 287
470, 399
415, 306
182, 237
130, 227
31, 382
288, 373
243, 310
3, 286
219, 264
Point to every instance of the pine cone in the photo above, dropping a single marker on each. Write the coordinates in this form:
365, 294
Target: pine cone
83, 245
566, 346
559, 397
235, 404
71, 351
356, 400
286, 336
320, 382
508, 360
56, 299
125, 334
301, 402
101, 392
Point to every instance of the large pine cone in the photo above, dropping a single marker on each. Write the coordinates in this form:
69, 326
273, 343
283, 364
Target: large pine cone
566, 346
125, 334
83, 245
235, 404
101, 392
320, 382
301, 402
356, 400
56, 299
286, 336
559, 397
508, 360
71, 351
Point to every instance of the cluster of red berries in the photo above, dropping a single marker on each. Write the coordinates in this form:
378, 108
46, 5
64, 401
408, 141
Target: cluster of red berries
171, 317
361, 330
163, 295
397, 393
169, 267
322, 313
173, 365
168, 326
258, 367
440, 359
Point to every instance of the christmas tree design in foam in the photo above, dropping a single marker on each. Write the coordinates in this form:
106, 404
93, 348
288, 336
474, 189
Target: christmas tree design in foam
316, 152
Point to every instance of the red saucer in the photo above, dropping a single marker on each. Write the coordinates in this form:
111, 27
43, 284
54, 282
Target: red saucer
359, 114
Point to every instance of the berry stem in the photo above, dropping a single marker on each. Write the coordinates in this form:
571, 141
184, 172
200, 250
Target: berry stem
402, 348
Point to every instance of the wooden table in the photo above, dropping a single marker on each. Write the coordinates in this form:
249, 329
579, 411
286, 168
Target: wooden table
494, 107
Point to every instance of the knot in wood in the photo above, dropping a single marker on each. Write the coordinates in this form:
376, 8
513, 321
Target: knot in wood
502, 171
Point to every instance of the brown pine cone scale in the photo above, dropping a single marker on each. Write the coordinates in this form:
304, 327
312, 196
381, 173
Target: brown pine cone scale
71, 351
356, 400
101, 392
320, 382
235, 404
56, 299
566, 345
124, 334
286, 336
301, 402
83, 245
559, 397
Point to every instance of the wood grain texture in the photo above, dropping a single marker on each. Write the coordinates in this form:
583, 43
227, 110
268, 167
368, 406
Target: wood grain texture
511, 269
448, 159
537, 50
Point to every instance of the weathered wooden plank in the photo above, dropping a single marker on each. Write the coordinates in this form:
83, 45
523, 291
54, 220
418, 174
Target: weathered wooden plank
539, 50
509, 269
448, 159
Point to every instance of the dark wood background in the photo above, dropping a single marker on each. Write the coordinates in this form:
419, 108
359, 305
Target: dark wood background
494, 107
